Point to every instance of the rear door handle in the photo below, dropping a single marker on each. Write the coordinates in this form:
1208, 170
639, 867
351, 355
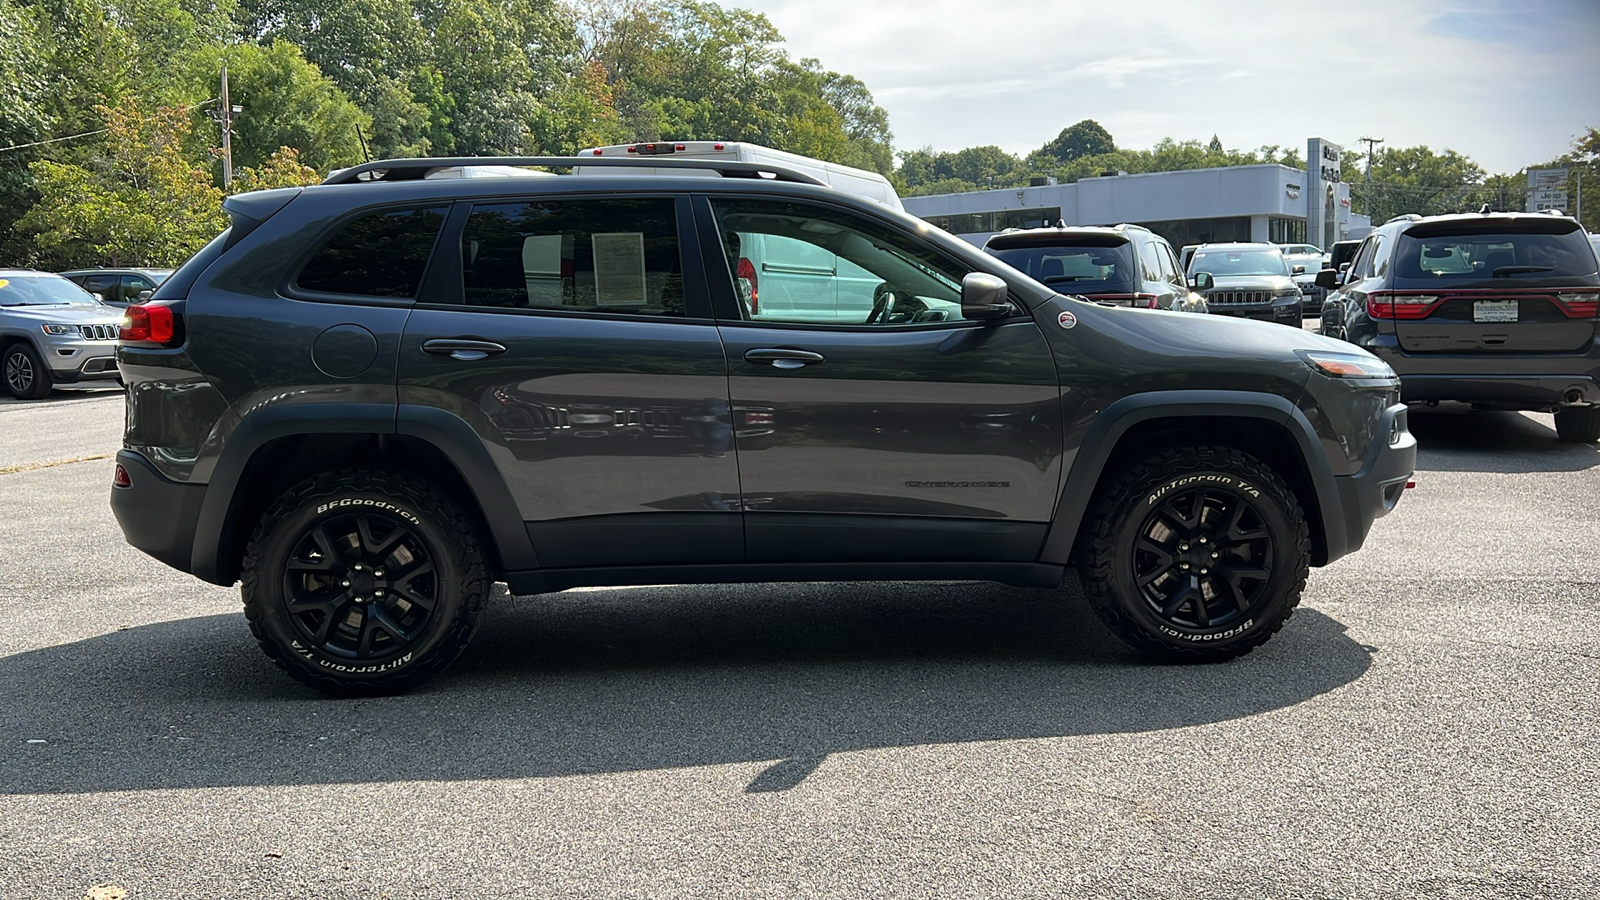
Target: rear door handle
782, 358
462, 349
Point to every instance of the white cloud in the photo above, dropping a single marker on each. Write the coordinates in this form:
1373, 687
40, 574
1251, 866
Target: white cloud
1506, 84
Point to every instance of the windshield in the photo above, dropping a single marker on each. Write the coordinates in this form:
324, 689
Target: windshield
42, 289
1075, 270
1493, 259
1239, 262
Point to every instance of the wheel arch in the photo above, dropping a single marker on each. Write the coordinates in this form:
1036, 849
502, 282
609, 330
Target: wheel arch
269, 453
1267, 426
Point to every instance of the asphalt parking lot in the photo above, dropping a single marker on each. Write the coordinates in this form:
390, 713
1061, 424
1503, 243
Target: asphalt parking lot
1423, 727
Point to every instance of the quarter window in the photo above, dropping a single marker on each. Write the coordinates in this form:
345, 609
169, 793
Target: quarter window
598, 256
379, 255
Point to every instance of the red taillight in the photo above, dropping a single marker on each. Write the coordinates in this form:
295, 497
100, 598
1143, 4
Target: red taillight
599, 152
633, 149
149, 324
745, 277
1391, 305
717, 146
680, 147
120, 478
1149, 300
757, 418
1579, 306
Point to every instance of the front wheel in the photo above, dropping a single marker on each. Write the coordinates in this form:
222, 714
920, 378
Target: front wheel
1196, 553
363, 581
25, 375
1579, 424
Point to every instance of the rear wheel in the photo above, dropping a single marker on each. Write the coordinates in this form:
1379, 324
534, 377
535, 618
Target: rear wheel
363, 581
25, 375
1196, 553
1579, 424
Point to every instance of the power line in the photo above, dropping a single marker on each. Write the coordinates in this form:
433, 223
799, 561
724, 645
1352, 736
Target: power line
54, 140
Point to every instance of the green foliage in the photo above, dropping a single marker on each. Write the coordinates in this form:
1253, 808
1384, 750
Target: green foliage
1415, 180
1583, 173
141, 201
280, 170
1086, 138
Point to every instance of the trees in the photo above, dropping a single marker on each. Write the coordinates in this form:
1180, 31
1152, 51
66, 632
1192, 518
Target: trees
1086, 138
140, 200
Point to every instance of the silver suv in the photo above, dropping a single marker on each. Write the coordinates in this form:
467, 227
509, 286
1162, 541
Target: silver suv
53, 332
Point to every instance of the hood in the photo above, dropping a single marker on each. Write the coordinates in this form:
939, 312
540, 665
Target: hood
97, 314
1253, 282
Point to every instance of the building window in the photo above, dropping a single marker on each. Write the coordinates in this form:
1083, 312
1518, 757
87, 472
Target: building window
1286, 231
1183, 232
986, 222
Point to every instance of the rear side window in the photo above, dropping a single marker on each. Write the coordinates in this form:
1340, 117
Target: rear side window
379, 255
1493, 259
1092, 267
601, 256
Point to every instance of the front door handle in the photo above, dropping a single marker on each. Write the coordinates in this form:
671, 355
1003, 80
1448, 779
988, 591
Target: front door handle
462, 349
782, 358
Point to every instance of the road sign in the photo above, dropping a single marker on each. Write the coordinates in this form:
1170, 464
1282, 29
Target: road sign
1546, 178
1543, 200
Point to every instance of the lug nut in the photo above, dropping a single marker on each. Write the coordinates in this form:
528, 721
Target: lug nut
377, 573
1215, 554
1202, 540
345, 583
1183, 547
1184, 566
1204, 570
378, 593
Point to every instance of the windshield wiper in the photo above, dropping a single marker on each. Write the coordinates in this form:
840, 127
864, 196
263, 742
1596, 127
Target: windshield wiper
1507, 271
1054, 279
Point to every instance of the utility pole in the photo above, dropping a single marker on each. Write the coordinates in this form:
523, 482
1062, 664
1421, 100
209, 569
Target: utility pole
1366, 190
227, 131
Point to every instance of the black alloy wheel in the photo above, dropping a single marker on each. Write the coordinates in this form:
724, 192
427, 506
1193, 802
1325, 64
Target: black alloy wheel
1195, 553
361, 586
1203, 558
364, 581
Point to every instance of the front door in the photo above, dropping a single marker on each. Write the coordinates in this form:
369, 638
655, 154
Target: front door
906, 433
573, 339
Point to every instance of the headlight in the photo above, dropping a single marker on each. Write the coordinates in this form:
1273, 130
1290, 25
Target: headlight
1346, 365
1287, 292
60, 329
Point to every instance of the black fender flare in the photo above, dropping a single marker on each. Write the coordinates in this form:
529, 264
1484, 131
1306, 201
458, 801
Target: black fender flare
1088, 464
447, 433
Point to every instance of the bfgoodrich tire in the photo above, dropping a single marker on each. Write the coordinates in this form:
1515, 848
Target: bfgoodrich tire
363, 581
1196, 553
1578, 424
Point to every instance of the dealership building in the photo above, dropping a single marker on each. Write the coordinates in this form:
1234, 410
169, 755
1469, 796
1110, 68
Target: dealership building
1267, 202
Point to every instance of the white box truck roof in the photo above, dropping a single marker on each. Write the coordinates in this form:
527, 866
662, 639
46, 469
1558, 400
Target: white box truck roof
860, 182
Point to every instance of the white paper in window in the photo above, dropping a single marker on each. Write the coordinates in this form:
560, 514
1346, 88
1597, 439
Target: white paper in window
619, 268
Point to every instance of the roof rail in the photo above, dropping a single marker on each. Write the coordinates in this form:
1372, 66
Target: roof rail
1408, 217
414, 169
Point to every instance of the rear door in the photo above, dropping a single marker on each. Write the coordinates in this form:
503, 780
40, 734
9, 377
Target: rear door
1495, 286
577, 343
910, 434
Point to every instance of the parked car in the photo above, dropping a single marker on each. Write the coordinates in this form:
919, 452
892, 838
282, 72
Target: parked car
1121, 265
1252, 281
1494, 309
1305, 261
52, 332
118, 287
368, 401
1340, 255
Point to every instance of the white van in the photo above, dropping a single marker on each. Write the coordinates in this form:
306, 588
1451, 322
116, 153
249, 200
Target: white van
781, 277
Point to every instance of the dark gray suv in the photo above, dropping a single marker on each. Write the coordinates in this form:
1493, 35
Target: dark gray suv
1252, 281
371, 399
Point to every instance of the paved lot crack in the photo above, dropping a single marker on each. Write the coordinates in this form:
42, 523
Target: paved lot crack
29, 467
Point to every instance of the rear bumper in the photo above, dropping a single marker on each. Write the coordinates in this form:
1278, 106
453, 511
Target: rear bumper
1375, 490
1506, 391
157, 515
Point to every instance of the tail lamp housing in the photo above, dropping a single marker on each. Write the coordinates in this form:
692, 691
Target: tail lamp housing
149, 324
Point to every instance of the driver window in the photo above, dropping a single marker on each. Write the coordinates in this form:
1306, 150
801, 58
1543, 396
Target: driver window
801, 264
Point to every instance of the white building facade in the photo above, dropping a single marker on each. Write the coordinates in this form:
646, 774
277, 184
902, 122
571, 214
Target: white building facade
1238, 203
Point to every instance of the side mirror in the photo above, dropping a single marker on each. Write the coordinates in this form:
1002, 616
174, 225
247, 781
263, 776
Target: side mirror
1328, 279
1203, 281
145, 295
1298, 270
983, 296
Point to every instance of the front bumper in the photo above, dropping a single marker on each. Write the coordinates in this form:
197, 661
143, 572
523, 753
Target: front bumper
157, 515
1375, 490
1284, 311
74, 359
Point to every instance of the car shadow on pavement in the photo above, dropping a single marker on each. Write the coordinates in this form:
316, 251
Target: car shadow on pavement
59, 395
1462, 440
630, 680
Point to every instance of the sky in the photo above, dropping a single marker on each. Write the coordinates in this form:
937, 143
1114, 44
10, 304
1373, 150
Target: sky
1509, 84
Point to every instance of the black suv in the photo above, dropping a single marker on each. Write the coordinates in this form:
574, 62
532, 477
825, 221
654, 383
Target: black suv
371, 399
1498, 310
1119, 265
1252, 281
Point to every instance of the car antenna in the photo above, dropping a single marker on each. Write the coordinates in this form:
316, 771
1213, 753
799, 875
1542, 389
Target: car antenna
1484, 211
